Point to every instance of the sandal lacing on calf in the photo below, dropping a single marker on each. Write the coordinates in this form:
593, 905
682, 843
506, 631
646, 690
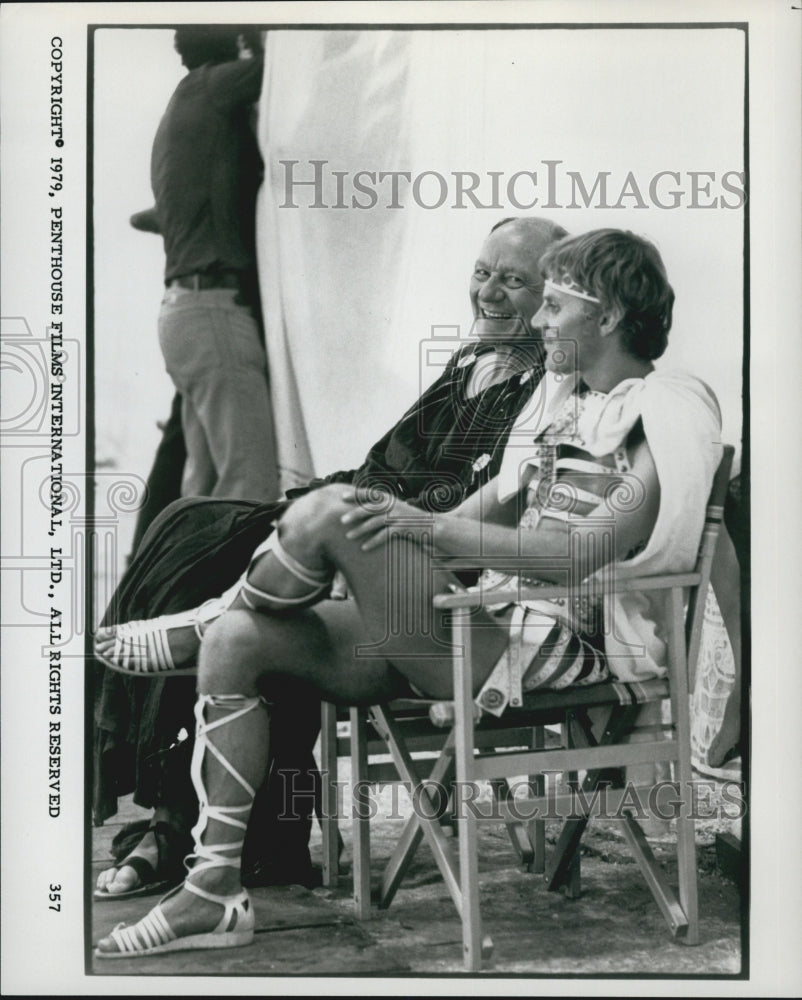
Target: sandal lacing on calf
318, 580
153, 933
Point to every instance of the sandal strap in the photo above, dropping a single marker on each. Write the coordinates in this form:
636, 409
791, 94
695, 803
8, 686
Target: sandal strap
211, 610
214, 897
318, 580
128, 839
143, 646
297, 569
249, 591
174, 847
143, 868
212, 855
154, 933
152, 930
159, 646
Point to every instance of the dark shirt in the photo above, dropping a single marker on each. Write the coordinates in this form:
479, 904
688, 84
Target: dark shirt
446, 445
205, 169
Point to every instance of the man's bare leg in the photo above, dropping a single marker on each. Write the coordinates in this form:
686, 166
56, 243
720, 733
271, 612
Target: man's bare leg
319, 647
393, 587
170, 642
237, 651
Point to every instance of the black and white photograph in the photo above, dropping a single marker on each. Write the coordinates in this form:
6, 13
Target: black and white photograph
396, 586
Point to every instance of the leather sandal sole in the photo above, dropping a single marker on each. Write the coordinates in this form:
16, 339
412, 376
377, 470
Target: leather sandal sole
232, 939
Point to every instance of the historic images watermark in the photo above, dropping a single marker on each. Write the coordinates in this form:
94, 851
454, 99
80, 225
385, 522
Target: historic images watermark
316, 184
434, 800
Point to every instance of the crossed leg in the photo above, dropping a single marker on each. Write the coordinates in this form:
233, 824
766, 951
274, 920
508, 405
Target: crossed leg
329, 647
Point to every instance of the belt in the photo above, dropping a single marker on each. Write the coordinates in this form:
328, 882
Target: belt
201, 279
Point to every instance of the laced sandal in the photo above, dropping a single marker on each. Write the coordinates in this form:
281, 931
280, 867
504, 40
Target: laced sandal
318, 581
153, 934
142, 648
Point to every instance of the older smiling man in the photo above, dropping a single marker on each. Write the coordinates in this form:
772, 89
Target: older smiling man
608, 307
447, 445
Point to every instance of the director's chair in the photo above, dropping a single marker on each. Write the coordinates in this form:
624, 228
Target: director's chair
360, 735
597, 724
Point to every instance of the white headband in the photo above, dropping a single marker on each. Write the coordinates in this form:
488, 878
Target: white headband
571, 289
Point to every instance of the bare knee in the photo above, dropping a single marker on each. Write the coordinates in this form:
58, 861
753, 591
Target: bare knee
315, 517
232, 655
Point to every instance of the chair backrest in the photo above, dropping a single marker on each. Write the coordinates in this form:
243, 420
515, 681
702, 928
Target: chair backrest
707, 550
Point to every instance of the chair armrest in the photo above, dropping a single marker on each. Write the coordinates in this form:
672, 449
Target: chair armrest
552, 591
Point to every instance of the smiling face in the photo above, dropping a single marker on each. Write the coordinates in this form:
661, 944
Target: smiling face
506, 286
570, 330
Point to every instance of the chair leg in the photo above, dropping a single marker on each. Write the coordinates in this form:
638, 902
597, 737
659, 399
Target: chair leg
537, 827
518, 833
475, 948
473, 951
440, 844
400, 861
410, 839
573, 876
655, 878
681, 715
572, 882
360, 823
686, 865
329, 799
561, 870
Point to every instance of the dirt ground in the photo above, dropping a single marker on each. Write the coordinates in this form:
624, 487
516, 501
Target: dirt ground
614, 928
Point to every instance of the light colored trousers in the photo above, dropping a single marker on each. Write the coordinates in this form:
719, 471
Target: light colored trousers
213, 352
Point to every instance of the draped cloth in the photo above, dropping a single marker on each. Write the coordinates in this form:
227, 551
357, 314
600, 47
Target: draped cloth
329, 278
715, 680
682, 425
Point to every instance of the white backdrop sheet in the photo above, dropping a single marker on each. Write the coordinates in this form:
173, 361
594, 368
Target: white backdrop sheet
351, 296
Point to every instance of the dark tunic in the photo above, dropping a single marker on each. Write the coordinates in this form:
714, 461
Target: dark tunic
443, 449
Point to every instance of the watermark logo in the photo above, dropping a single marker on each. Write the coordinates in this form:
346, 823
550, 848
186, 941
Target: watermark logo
317, 184
521, 800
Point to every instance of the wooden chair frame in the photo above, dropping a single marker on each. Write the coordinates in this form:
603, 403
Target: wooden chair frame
472, 751
367, 738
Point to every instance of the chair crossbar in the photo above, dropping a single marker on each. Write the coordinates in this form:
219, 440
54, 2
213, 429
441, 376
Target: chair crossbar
543, 707
613, 802
599, 739
423, 743
540, 761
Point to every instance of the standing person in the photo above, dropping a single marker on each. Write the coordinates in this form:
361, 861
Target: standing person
164, 479
205, 173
